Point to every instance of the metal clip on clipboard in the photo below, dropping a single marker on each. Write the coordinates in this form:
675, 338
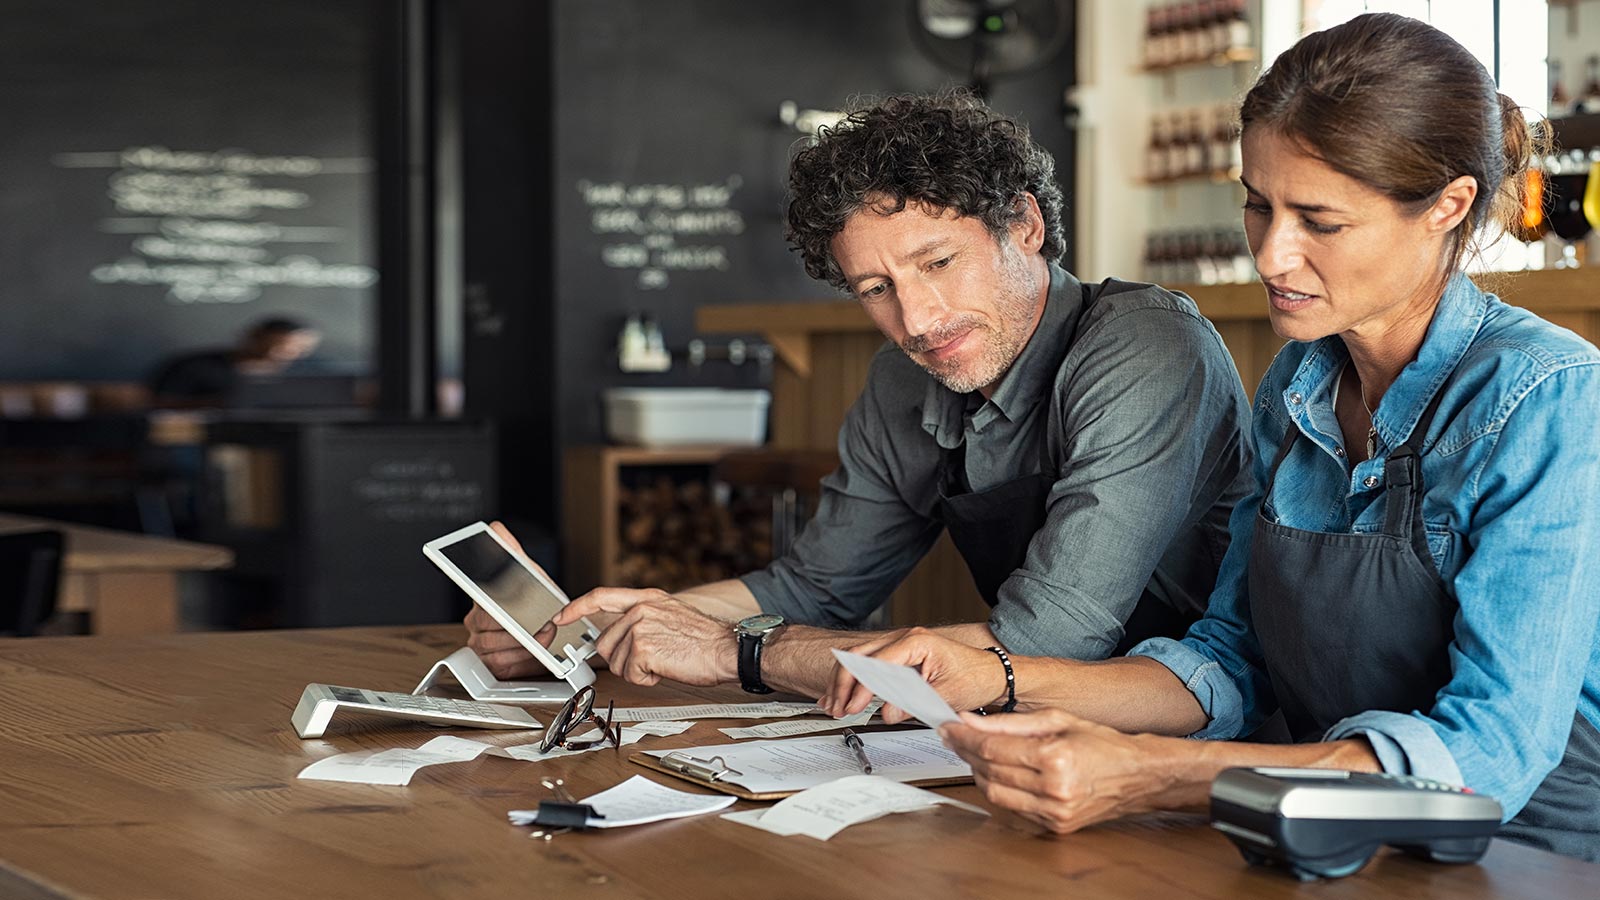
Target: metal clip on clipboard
707, 770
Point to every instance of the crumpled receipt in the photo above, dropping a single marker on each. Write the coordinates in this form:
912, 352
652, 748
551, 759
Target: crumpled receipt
825, 810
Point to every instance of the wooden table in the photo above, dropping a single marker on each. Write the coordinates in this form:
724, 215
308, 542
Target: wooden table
126, 582
164, 766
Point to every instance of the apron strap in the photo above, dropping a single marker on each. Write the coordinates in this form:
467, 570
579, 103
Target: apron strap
1283, 453
1403, 489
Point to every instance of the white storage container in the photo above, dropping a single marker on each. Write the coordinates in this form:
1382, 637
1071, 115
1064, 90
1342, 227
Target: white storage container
672, 417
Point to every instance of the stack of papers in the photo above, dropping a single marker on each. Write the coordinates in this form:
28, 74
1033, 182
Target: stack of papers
824, 811
797, 727
638, 801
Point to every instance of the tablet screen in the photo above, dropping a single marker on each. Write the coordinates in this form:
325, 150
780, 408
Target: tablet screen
497, 573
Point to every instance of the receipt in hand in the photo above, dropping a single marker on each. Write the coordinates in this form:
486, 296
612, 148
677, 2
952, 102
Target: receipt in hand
900, 686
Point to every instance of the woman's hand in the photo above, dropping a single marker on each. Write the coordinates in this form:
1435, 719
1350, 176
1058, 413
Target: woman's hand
1056, 769
966, 677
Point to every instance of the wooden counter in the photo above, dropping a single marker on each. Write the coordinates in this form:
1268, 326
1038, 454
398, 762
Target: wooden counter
825, 347
126, 582
165, 766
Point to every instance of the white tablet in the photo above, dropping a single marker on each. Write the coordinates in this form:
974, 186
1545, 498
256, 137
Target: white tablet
518, 597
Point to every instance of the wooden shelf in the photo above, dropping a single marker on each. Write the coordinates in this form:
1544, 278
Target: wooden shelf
1237, 55
1219, 176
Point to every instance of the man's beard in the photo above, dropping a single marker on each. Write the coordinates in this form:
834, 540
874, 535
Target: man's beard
1001, 346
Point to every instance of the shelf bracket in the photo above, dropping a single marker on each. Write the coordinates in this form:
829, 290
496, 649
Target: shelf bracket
794, 348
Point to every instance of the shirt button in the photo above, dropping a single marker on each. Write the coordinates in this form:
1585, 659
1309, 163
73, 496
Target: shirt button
1295, 398
1338, 451
1371, 481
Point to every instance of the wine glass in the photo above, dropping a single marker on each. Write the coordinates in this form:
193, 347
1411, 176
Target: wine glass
1565, 185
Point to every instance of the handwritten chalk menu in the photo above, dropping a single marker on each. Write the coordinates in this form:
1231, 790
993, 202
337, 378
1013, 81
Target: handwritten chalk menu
656, 229
417, 488
175, 170
197, 222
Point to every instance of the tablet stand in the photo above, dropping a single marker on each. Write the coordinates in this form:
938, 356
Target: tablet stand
470, 672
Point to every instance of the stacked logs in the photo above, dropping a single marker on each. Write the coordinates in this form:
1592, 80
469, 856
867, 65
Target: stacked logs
676, 534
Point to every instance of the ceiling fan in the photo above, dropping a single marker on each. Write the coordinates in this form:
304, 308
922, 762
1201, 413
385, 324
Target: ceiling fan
992, 39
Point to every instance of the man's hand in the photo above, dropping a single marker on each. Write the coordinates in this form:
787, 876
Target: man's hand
656, 636
1056, 769
965, 676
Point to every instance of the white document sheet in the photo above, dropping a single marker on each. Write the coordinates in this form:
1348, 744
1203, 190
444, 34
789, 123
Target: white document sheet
771, 710
638, 801
824, 811
392, 767
797, 727
799, 763
900, 686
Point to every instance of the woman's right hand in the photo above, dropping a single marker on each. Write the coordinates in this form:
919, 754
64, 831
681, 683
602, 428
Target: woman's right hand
1060, 771
966, 677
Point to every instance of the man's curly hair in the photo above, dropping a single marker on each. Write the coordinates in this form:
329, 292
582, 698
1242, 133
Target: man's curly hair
948, 151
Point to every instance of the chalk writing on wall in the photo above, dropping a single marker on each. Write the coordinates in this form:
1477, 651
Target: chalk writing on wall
202, 223
656, 229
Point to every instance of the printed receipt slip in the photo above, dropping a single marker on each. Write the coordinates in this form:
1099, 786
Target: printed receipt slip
767, 770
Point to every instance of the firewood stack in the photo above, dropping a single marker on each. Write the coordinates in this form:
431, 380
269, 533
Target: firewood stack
676, 534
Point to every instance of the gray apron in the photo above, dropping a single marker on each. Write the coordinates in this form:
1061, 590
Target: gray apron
1356, 622
992, 529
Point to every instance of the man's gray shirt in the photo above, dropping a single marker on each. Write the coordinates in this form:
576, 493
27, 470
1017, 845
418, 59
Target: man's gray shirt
1143, 416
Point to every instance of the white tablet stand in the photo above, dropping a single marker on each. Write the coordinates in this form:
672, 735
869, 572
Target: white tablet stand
469, 671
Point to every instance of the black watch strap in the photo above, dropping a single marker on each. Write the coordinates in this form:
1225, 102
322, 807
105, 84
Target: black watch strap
750, 664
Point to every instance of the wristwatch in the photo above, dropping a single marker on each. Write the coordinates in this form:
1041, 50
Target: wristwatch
753, 632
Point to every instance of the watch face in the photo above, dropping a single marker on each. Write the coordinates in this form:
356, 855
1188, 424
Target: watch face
760, 624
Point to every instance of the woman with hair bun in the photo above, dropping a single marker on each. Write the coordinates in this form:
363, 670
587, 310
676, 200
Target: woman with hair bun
1413, 585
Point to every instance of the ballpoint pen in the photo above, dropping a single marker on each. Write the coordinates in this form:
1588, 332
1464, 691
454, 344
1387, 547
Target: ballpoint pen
853, 741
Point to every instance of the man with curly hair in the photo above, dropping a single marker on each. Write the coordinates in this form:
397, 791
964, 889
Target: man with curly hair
1082, 443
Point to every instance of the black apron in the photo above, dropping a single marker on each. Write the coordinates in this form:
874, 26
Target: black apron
992, 529
1356, 622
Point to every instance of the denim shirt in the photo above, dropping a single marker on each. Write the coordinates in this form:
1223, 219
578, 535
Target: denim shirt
1511, 473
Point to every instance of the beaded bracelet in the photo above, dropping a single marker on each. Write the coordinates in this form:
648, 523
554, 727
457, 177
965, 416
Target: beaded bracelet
1011, 679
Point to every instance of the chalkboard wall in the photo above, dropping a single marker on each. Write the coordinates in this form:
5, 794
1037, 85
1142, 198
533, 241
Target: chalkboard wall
670, 159
172, 170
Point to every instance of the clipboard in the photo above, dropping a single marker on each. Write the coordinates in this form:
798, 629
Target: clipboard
706, 767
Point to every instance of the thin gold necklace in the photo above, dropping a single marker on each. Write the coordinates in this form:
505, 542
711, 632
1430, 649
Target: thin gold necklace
1372, 426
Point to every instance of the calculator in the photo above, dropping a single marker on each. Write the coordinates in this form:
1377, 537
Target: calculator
320, 701
1326, 823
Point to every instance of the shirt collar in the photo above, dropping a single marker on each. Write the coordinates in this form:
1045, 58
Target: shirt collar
1030, 376
1456, 322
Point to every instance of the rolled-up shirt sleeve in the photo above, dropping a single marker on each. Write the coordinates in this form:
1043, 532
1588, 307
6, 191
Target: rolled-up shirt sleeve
862, 542
1145, 434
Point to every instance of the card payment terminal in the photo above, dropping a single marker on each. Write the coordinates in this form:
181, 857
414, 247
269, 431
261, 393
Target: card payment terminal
1326, 823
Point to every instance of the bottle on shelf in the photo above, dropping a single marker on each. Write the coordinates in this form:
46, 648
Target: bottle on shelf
1155, 157
1240, 39
1152, 31
1194, 152
1559, 101
1217, 24
1589, 101
1177, 146
1188, 44
1219, 153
